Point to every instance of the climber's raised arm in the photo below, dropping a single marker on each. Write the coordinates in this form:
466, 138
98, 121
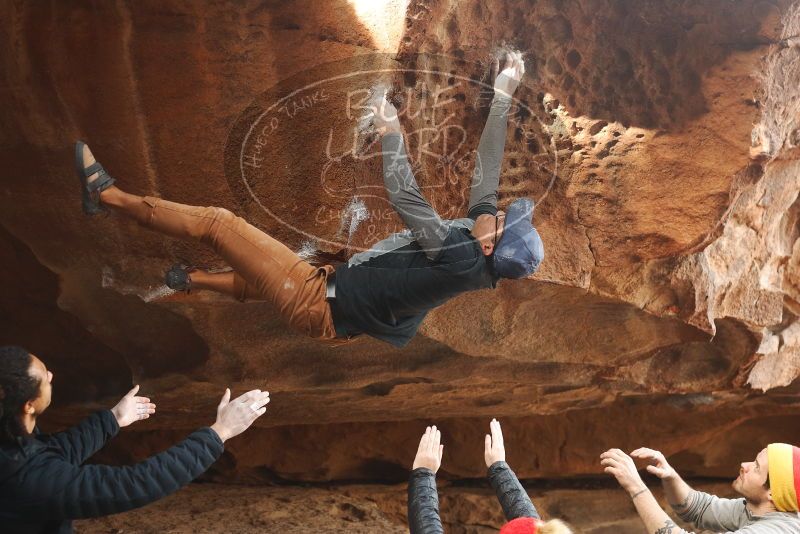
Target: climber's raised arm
486, 176
418, 215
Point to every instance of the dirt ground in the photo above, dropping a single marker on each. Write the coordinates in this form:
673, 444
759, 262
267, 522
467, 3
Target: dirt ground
217, 508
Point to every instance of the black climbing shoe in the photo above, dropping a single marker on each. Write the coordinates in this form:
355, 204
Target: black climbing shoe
177, 277
90, 191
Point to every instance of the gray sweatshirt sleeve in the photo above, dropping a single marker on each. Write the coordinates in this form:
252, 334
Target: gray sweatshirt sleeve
418, 215
712, 513
486, 177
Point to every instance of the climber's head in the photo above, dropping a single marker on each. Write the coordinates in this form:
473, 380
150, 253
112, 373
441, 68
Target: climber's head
488, 229
772, 480
510, 236
25, 391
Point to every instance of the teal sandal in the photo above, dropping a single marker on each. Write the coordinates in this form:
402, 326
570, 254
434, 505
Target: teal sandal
177, 277
90, 192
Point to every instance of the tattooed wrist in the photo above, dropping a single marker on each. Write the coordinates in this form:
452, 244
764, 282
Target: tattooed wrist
682, 506
636, 494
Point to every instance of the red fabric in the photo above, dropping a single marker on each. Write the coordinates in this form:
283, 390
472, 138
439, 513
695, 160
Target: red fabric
796, 468
520, 525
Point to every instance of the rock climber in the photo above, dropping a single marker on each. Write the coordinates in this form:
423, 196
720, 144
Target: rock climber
423, 499
769, 485
384, 292
43, 484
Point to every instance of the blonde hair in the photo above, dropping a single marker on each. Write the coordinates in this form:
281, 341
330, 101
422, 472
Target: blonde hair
554, 526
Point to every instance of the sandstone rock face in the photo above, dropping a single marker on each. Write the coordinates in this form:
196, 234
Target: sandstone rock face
659, 139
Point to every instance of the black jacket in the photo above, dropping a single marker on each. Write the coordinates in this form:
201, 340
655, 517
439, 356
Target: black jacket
388, 296
43, 485
423, 500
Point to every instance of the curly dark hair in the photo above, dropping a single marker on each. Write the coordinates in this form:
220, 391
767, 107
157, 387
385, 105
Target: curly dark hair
17, 387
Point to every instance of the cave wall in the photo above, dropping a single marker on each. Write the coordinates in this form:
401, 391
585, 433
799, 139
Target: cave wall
667, 303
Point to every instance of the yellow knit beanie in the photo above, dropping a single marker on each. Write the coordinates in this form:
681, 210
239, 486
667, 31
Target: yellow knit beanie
784, 476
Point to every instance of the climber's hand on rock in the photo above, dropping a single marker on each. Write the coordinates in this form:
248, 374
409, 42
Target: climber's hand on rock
658, 464
508, 79
385, 117
621, 466
494, 449
132, 408
429, 452
236, 416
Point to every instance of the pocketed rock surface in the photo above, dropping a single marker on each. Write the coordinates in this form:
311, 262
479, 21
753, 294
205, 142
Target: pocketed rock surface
659, 140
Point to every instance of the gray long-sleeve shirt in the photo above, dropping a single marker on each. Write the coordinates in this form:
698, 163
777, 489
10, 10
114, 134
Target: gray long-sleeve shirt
424, 224
728, 516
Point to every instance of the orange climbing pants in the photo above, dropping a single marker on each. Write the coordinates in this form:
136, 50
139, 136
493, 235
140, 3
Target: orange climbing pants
263, 266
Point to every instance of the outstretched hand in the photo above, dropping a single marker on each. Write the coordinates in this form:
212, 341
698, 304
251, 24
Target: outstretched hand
621, 466
430, 450
132, 408
494, 449
235, 416
658, 464
508, 79
384, 114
